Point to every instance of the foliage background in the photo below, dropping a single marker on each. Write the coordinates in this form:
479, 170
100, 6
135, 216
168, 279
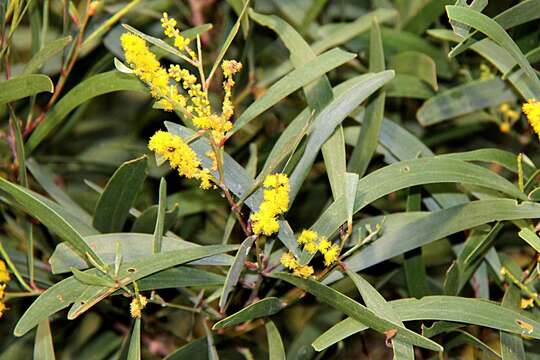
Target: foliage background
436, 104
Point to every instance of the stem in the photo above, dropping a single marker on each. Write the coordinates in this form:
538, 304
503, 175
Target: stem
16, 272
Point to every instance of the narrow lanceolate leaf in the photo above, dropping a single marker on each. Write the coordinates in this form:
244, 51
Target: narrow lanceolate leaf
87, 89
160, 221
24, 86
447, 308
495, 32
377, 303
134, 351
358, 311
410, 173
512, 347
522, 12
292, 82
41, 57
43, 345
39, 209
349, 95
265, 307
119, 195
67, 291
132, 247
233, 275
464, 99
369, 135
276, 350
423, 228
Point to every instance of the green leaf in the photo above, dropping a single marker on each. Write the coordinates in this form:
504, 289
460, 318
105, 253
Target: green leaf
416, 64
37, 208
43, 345
161, 213
410, 173
134, 352
530, 238
358, 311
377, 303
133, 247
423, 228
293, 81
448, 308
495, 32
229, 39
512, 344
45, 54
518, 14
265, 307
85, 90
408, 86
67, 291
425, 16
233, 275
348, 96
275, 344
335, 160
464, 99
24, 86
182, 276
369, 135
113, 206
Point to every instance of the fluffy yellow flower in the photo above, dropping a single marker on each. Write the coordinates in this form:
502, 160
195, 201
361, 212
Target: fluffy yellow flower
532, 110
303, 271
289, 261
264, 223
331, 255
324, 245
176, 151
4, 274
137, 305
275, 202
307, 236
311, 247
147, 68
170, 30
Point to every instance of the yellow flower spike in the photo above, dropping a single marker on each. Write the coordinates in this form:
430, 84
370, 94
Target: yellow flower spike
2, 291
307, 236
311, 247
137, 305
275, 202
180, 156
303, 271
171, 31
532, 110
4, 274
527, 303
331, 255
324, 245
289, 261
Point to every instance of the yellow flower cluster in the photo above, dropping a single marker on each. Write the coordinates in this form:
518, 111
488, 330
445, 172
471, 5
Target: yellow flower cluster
532, 110
171, 31
288, 260
195, 102
4, 278
148, 68
312, 243
275, 203
180, 156
138, 303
